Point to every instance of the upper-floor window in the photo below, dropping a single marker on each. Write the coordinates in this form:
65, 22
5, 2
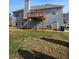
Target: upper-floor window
54, 12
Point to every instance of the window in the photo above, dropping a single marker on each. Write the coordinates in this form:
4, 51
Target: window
54, 12
22, 23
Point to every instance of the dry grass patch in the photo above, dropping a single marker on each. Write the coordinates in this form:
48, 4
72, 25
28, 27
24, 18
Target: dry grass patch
30, 44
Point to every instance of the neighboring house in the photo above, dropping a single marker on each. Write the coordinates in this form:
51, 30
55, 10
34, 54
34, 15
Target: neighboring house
12, 20
18, 18
66, 18
42, 16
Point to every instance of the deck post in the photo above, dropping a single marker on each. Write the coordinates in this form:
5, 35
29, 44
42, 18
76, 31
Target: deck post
27, 23
42, 23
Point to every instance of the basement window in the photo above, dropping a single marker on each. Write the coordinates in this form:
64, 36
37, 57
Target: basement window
16, 23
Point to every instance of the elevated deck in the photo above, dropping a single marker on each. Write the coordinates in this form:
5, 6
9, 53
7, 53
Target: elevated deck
36, 14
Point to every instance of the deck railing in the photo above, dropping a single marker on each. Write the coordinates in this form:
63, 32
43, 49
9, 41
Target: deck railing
35, 14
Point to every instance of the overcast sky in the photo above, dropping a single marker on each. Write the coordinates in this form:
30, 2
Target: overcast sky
19, 4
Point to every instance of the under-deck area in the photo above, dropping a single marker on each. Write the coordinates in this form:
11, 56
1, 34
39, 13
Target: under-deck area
35, 22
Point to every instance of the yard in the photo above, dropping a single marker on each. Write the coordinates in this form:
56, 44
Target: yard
33, 44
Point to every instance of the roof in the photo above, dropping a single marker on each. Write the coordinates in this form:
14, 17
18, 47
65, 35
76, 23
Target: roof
46, 6
21, 10
65, 14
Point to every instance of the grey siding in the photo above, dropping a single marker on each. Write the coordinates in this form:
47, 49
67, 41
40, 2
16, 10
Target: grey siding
13, 21
19, 21
50, 18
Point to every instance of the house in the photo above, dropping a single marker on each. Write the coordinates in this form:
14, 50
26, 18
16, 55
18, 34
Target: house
46, 16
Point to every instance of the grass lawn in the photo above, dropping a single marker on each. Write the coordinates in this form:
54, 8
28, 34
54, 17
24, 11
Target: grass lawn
33, 44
